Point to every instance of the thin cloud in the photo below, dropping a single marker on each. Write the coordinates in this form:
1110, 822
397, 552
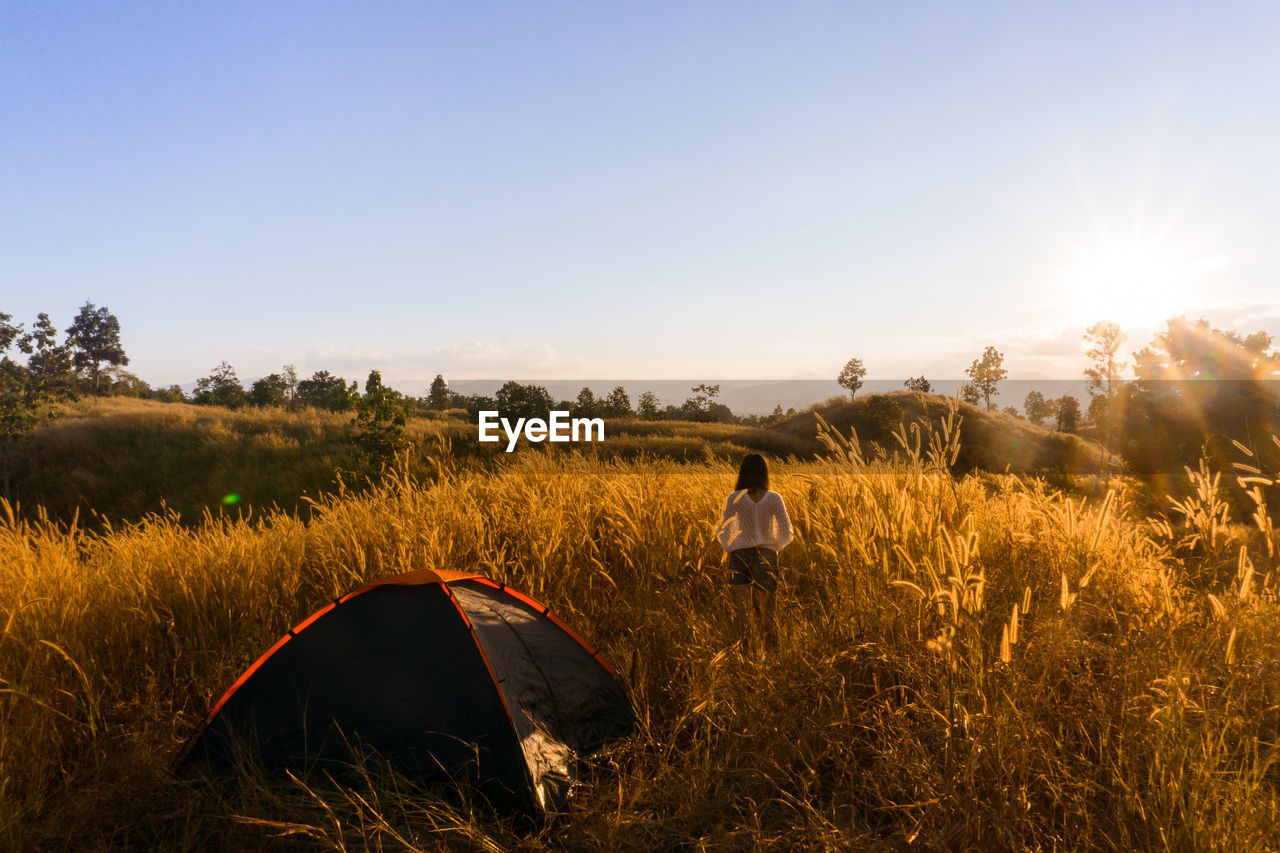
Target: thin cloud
468, 360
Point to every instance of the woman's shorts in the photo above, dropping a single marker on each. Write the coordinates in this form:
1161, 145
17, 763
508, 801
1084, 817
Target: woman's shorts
754, 565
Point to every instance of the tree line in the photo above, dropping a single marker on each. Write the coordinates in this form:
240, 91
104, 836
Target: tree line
528, 400
326, 391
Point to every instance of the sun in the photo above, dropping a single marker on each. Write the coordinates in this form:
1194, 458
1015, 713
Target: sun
1136, 283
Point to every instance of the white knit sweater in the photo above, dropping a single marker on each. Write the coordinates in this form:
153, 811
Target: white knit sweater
747, 523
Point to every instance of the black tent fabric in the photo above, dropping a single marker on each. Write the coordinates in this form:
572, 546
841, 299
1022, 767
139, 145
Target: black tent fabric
438, 673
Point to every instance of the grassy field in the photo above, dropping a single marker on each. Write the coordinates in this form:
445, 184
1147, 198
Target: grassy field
971, 663
125, 458
119, 459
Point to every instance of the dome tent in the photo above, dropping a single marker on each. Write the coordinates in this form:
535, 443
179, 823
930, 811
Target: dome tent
438, 673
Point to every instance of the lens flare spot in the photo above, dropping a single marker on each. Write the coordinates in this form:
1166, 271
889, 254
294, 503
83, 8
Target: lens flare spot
230, 499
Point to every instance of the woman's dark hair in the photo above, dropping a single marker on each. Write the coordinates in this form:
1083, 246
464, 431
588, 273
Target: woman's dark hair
754, 473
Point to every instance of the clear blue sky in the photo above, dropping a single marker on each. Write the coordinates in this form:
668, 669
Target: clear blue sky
636, 190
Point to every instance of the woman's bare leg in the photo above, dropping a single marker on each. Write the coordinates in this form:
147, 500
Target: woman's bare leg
764, 605
741, 601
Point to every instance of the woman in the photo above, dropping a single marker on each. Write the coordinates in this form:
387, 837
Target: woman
753, 529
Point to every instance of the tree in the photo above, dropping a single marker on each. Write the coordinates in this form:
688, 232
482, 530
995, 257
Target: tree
986, 373
719, 413
290, 375
699, 407
617, 404
438, 397
1198, 390
326, 391
1068, 413
1105, 340
523, 401
49, 362
220, 388
647, 407
121, 383
1103, 375
1012, 411
1036, 407
850, 377
475, 404
1189, 351
94, 337
8, 332
380, 417
19, 412
29, 393
1099, 412
918, 383
270, 390
969, 393
585, 405
172, 394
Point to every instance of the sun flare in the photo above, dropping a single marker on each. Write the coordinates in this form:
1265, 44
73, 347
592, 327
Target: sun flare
1137, 283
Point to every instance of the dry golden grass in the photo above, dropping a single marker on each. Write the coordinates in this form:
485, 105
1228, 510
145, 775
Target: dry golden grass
120, 458
123, 458
965, 664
